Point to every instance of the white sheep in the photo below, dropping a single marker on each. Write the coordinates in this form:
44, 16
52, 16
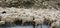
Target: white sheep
38, 21
9, 19
2, 22
27, 19
55, 24
6, 19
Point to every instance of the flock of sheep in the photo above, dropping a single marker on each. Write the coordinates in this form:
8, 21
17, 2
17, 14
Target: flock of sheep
51, 17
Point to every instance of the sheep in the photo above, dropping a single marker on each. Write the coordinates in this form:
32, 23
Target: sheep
9, 19
49, 19
38, 21
27, 19
8, 10
6, 19
2, 22
25, 16
55, 24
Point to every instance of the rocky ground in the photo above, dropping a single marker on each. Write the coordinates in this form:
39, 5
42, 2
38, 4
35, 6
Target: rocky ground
30, 3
